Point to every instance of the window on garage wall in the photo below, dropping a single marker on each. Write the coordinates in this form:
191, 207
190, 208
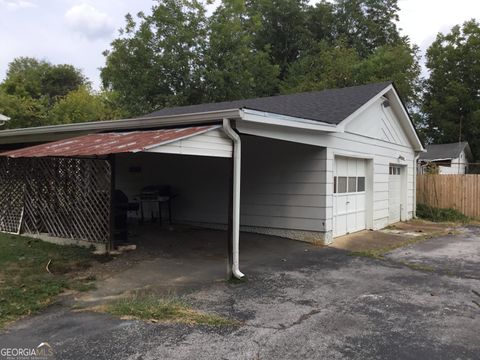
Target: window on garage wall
395, 170
351, 184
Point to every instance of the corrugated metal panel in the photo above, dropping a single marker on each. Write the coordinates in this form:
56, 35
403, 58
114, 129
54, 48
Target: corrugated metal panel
109, 143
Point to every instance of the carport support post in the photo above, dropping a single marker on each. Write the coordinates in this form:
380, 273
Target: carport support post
111, 160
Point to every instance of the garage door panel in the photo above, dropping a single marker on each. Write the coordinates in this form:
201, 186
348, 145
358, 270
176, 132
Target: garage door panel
352, 167
361, 168
361, 219
394, 194
341, 205
349, 202
340, 222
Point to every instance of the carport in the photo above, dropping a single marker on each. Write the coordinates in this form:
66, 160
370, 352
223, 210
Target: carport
65, 190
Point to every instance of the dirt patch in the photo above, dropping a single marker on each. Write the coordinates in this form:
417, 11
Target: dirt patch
367, 240
422, 226
393, 236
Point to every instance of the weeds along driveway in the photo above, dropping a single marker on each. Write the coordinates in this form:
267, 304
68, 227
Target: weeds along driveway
321, 304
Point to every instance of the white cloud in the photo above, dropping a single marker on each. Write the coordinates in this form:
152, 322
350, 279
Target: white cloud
90, 22
17, 4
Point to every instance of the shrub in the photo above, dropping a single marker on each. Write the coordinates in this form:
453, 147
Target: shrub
440, 214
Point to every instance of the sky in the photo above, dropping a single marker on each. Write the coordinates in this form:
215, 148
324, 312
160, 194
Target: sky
78, 31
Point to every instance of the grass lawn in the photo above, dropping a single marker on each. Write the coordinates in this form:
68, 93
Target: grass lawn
151, 308
25, 284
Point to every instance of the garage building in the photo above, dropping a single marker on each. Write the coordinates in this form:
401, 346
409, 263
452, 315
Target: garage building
311, 166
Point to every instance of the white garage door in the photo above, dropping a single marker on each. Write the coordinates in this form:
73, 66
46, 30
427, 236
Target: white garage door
394, 194
349, 196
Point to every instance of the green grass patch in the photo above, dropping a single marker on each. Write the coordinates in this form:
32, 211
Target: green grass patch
149, 307
441, 215
25, 284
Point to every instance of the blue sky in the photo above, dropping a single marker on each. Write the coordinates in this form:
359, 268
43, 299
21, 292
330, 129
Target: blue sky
77, 31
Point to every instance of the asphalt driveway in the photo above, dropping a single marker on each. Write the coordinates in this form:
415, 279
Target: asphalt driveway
313, 303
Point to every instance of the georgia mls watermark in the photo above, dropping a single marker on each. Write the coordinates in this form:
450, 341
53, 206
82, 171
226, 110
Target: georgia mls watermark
42, 352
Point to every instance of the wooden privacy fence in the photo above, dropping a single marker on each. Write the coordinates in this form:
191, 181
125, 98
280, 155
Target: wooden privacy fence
60, 197
460, 192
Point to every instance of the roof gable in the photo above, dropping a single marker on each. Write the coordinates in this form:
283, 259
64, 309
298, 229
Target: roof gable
380, 122
330, 106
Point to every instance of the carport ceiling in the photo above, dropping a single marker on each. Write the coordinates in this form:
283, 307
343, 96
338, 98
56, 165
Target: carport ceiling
213, 144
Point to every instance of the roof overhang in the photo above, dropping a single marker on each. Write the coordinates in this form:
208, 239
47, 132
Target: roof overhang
288, 121
57, 132
104, 144
63, 131
433, 160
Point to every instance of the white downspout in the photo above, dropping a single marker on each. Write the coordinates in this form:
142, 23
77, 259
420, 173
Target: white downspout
237, 153
415, 167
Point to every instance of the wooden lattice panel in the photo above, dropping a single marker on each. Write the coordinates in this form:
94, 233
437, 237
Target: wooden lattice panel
12, 188
63, 197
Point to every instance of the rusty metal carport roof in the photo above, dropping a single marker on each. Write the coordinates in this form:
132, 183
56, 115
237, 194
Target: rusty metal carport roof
109, 143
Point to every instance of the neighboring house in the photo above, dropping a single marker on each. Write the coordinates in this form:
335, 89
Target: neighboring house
311, 166
3, 119
450, 158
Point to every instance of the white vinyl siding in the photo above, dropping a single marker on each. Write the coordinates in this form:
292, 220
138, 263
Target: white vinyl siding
283, 185
212, 143
201, 182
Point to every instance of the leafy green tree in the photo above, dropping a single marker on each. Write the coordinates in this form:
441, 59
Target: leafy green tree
156, 61
321, 19
398, 63
29, 77
282, 26
366, 24
234, 69
451, 101
83, 105
32, 86
326, 66
321, 68
24, 111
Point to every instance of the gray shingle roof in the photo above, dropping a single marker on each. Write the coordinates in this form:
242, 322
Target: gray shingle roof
443, 151
330, 106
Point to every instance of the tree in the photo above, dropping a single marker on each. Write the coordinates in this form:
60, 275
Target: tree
451, 101
282, 27
249, 48
36, 92
23, 111
157, 62
321, 68
398, 63
367, 24
321, 20
326, 66
234, 68
29, 77
32, 86
83, 105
